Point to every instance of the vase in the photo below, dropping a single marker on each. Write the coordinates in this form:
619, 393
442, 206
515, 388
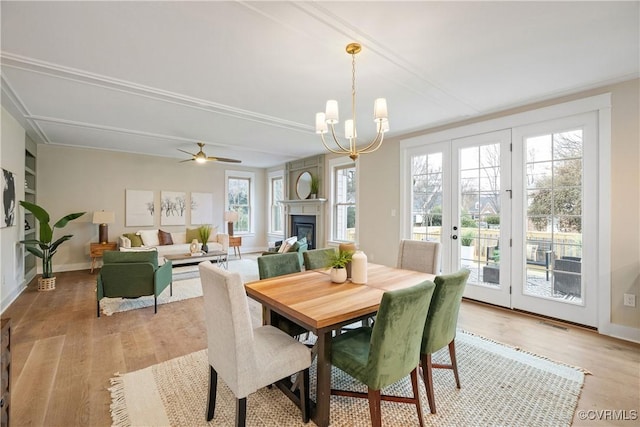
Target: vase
338, 275
194, 247
205, 248
359, 268
46, 283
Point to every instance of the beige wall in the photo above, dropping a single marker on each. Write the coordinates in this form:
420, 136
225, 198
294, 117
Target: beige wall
380, 179
12, 159
76, 180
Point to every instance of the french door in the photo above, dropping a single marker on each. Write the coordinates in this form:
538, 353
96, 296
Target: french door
459, 197
555, 218
517, 209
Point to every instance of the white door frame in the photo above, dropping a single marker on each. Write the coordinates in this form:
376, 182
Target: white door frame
599, 103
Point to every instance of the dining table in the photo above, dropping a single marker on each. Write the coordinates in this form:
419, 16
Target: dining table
312, 300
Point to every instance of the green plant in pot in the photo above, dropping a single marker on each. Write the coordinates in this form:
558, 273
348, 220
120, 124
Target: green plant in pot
338, 263
314, 186
205, 232
45, 247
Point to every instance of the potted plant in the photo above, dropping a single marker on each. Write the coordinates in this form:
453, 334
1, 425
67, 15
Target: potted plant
205, 232
466, 247
45, 247
338, 262
315, 186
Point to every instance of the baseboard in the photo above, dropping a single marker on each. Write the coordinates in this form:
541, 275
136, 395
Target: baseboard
622, 332
9, 299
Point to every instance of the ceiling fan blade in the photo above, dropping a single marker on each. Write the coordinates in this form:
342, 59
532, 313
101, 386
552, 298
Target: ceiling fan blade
191, 154
188, 160
223, 159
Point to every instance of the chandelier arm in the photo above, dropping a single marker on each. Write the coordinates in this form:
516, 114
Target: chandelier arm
377, 140
335, 139
329, 148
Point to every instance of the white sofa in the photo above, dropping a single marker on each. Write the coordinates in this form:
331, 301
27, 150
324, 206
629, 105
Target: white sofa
151, 241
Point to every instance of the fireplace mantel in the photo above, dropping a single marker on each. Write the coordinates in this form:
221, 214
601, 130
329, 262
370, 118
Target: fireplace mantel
312, 207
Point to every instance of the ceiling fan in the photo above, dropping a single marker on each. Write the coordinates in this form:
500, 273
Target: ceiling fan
201, 157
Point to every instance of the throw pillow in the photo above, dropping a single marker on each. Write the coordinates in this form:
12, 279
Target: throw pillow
287, 244
294, 247
193, 233
136, 241
149, 237
164, 238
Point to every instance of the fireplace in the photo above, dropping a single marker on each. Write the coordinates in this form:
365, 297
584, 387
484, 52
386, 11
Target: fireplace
304, 226
305, 218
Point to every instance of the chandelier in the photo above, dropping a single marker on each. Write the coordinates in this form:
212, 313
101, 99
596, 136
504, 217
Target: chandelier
329, 118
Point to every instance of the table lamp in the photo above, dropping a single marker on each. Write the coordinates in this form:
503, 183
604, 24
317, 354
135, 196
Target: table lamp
230, 217
103, 218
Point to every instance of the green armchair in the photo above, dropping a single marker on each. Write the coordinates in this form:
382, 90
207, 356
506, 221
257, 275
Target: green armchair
132, 275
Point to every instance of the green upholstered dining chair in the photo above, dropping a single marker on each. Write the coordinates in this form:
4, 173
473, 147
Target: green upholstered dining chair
390, 350
132, 275
246, 359
317, 258
279, 265
440, 327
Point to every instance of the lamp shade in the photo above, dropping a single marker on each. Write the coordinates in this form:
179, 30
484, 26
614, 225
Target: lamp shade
104, 217
231, 216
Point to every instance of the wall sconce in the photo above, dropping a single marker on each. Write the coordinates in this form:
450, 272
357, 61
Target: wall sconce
230, 217
103, 218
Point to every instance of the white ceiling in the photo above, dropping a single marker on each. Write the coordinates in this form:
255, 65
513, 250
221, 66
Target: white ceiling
247, 78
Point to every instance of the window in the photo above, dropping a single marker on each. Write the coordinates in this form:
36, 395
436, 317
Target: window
344, 202
276, 195
240, 186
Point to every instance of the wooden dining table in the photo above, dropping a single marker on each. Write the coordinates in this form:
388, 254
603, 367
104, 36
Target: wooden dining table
311, 300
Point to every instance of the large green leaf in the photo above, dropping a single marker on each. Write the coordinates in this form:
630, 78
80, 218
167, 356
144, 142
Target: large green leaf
57, 243
64, 220
41, 215
37, 252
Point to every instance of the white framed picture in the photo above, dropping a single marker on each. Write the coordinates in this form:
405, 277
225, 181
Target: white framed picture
139, 208
201, 208
173, 208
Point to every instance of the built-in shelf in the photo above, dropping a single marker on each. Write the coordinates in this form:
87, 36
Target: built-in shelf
30, 260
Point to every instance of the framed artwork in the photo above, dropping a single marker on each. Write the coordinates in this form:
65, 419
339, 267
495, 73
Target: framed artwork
201, 208
173, 208
139, 208
8, 199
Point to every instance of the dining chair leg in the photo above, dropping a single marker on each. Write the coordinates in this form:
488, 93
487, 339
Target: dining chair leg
171, 289
304, 396
213, 387
454, 363
416, 394
374, 407
241, 412
155, 303
428, 381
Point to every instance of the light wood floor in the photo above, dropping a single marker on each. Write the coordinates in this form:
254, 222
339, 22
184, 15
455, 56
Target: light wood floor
63, 355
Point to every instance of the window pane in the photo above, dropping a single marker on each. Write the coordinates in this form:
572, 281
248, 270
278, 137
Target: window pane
344, 198
239, 196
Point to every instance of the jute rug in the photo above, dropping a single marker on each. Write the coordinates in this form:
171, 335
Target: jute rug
500, 386
186, 284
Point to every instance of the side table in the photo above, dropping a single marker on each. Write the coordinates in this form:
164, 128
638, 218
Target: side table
97, 249
235, 242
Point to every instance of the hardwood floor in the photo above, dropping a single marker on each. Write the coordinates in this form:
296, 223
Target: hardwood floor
63, 355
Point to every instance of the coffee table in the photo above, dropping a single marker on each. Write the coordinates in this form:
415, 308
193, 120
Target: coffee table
180, 259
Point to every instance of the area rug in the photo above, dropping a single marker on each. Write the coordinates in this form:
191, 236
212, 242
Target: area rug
185, 286
500, 386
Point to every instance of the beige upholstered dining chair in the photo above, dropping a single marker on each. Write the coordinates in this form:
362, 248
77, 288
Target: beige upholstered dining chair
246, 359
419, 256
